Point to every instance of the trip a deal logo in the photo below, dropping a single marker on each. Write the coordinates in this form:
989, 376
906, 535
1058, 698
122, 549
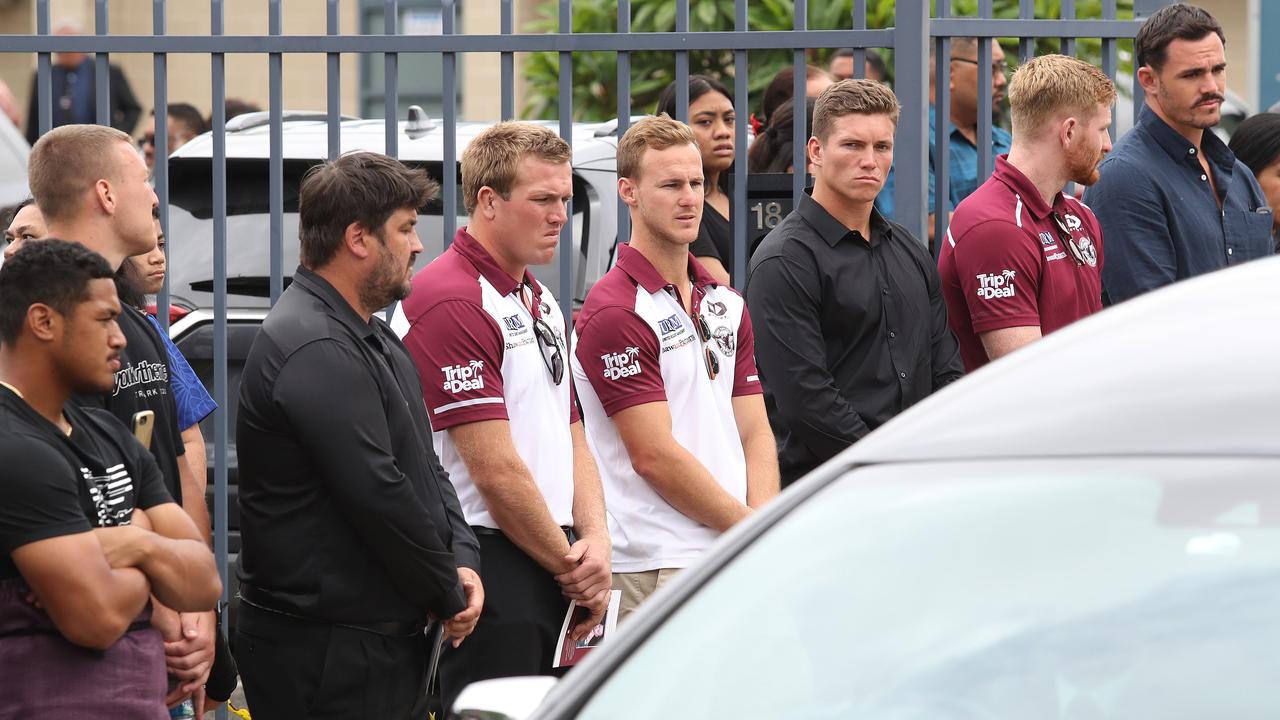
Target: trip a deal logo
461, 378
621, 365
996, 285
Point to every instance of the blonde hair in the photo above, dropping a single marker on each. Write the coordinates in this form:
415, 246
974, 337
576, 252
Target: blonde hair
493, 157
1050, 85
852, 97
656, 132
67, 162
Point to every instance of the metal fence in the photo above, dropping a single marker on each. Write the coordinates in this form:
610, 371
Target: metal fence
910, 40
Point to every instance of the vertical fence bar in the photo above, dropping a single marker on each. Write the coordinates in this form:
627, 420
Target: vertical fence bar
275, 72
1026, 45
566, 132
508, 61
449, 166
859, 23
1068, 8
44, 72
738, 203
102, 68
160, 173
391, 78
624, 108
333, 78
682, 64
799, 90
983, 136
910, 50
219, 130
1109, 59
942, 119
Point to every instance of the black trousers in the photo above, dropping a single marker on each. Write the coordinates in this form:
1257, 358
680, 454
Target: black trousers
518, 628
293, 668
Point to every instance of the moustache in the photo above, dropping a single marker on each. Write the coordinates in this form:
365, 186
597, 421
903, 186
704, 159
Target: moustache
1212, 96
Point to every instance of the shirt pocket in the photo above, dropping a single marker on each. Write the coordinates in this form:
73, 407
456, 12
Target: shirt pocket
1251, 238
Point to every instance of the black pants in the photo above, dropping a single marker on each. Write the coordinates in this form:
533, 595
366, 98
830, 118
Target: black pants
292, 668
518, 628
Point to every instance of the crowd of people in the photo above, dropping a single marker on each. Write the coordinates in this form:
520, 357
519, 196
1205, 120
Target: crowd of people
422, 500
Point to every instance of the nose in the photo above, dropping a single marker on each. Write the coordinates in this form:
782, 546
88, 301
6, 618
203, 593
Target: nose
723, 130
13, 247
559, 213
415, 244
115, 339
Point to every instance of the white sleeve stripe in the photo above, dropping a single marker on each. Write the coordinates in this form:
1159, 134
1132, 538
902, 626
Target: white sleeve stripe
1017, 212
466, 403
949, 238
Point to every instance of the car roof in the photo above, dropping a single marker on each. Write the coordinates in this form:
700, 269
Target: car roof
1192, 369
306, 138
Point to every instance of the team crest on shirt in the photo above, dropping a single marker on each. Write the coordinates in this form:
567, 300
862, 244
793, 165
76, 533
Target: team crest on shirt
623, 364
462, 378
1088, 251
544, 307
1071, 221
724, 340
996, 285
717, 308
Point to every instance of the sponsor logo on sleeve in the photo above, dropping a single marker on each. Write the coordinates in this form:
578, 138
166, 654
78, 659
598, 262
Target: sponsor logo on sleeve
622, 365
996, 285
462, 378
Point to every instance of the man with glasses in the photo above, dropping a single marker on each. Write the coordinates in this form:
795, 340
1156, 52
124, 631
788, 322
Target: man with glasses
1021, 258
664, 364
966, 80
489, 343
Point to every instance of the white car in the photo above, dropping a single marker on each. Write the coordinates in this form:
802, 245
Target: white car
305, 143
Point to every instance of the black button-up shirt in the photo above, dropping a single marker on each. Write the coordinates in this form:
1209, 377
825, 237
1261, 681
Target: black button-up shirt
1159, 215
345, 513
848, 333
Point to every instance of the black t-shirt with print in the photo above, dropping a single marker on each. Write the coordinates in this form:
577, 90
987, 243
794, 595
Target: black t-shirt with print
56, 485
142, 383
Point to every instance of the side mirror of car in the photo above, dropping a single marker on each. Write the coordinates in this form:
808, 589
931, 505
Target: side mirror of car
512, 698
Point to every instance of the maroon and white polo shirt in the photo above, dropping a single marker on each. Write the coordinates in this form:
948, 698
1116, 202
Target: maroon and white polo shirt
635, 344
1010, 261
471, 334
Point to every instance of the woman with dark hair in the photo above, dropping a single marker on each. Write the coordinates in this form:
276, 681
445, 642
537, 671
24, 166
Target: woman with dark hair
711, 115
774, 148
1256, 143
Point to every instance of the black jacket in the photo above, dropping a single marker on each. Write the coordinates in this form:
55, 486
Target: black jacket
345, 512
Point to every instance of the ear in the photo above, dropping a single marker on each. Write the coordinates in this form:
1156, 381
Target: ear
357, 240
486, 199
627, 191
814, 152
1067, 131
44, 322
1147, 79
104, 197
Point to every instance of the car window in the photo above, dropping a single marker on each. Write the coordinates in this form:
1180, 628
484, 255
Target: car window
196, 345
986, 590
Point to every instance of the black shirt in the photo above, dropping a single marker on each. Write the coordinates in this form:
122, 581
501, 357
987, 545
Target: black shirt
142, 383
56, 485
715, 238
345, 512
848, 333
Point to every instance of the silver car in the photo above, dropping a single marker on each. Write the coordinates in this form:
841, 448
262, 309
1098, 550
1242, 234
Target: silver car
1089, 527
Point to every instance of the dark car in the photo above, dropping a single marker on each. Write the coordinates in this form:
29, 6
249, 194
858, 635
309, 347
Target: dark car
1089, 527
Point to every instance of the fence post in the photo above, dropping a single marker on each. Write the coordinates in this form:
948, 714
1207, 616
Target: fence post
911, 81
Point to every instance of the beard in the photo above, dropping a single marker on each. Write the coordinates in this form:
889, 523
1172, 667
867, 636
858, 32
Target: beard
663, 232
387, 282
1082, 165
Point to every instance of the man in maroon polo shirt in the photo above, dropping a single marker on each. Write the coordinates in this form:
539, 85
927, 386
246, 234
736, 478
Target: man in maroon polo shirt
1022, 258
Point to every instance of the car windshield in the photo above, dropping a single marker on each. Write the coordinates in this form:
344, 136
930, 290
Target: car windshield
1126, 588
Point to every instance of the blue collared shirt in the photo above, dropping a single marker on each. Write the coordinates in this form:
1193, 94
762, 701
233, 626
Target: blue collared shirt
962, 170
1159, 216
